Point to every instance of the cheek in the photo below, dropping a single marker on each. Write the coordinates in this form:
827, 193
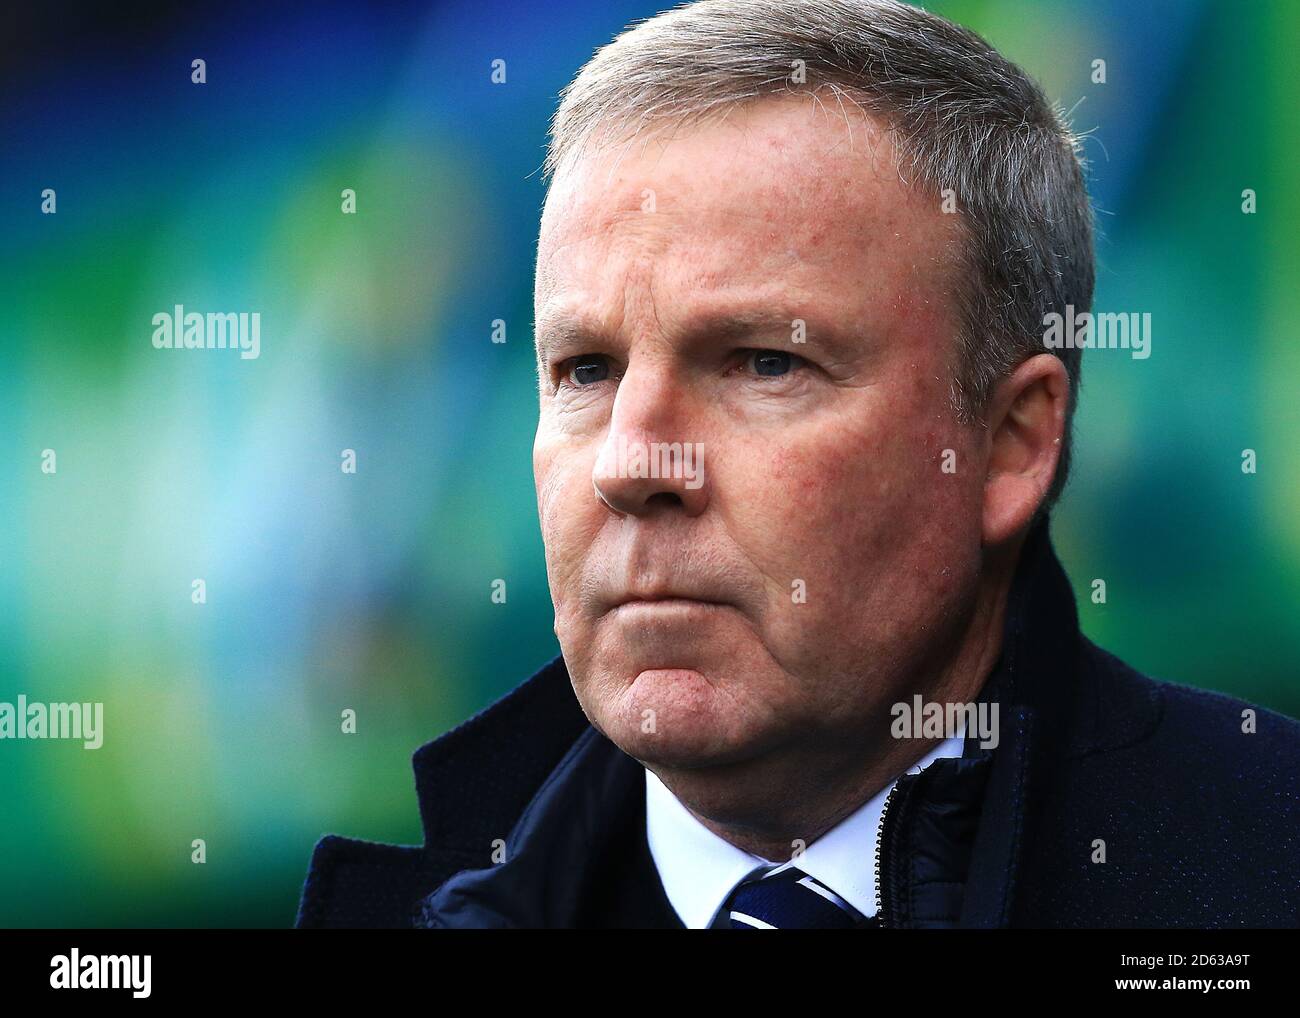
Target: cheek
827, 486
566, 510
548, 480
864, 516
560, 462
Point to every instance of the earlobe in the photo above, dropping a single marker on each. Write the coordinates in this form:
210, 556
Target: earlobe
1026, 418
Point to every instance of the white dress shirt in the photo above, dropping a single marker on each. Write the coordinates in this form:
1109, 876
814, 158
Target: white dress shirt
699, 869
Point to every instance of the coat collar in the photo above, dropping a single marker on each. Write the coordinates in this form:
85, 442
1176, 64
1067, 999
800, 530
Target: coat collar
1060, 698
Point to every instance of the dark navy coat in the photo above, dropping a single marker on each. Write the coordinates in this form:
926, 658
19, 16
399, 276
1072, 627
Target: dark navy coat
533, 819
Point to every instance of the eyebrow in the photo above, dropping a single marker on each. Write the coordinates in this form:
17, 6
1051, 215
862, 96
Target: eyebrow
566, 334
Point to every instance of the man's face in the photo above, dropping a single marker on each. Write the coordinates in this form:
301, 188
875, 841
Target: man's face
826, 564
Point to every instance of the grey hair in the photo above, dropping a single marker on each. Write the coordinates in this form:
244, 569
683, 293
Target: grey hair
963, 118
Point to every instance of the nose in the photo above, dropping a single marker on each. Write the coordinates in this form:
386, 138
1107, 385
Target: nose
652, 459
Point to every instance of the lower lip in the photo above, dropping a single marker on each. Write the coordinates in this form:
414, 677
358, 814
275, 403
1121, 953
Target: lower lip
662, 676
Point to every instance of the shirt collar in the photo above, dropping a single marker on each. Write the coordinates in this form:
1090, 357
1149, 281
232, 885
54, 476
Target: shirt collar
699, 869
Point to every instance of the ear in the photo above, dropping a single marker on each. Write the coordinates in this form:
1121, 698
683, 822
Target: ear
1026, 425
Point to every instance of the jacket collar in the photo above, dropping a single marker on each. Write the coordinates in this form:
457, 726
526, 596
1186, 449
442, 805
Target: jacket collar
474, 782
1059, 698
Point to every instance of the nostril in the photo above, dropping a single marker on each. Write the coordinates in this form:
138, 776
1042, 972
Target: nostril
601, 495
664, 498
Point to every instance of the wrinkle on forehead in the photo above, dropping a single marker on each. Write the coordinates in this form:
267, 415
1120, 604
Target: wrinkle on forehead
781, 190
846, 129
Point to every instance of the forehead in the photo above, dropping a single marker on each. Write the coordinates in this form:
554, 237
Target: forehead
795, 200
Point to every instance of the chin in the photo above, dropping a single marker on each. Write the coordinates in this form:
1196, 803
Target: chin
674, 717
683, 749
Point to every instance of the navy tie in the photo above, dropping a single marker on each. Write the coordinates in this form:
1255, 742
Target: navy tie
787, 898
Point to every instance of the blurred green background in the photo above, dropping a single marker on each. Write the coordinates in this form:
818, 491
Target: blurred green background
372, 591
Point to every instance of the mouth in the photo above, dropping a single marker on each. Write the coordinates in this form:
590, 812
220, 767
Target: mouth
664, 604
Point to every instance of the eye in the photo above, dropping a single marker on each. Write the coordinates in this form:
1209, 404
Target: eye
772, 363
588, 369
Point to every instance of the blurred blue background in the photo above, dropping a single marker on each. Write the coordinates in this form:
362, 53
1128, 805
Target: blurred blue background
371, 591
